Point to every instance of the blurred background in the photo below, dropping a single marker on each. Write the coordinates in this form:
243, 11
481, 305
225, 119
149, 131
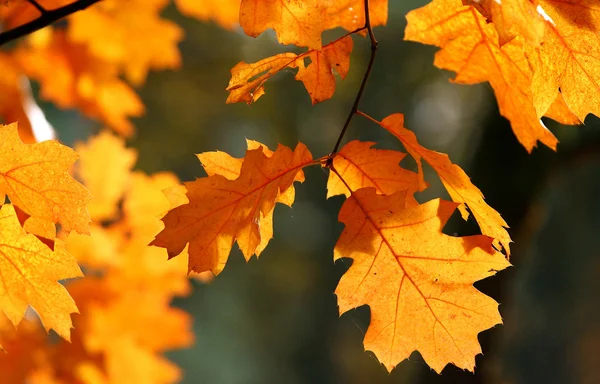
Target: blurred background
275, 320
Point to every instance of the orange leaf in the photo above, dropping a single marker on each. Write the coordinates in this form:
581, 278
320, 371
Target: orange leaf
318, 75
456, 181
512, 18
298, 22
222, 211
30, 272
247, 80
104, 167
416, 280
226, 13
221, 163
469, 47
148, 43
35, 178
350, 14
569, 59
301, 22
362, 166
71, 77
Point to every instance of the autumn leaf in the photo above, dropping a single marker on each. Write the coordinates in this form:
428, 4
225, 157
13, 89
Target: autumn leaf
416, 280
362, 166
350, 14
512, 18
318, 75
455, 180
569, 59
221, 163
298, 22
35, 178
71, 77
226, 13
148, 43
222, 211
30, 272
469, 47
104, 168
247, 80
301, 22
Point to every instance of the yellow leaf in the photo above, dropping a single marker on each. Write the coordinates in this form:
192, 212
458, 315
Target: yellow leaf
222, 211
130, 34
226, 13
416, 280
104, 167
35, 178
350, 14
247, 80
569, 59
469, 47
71, 77
362, 166
512, 18
456, 181
298, 22
30, 272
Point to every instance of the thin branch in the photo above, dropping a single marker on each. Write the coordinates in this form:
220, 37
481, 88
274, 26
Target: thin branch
47, 18
38, 6
363, 84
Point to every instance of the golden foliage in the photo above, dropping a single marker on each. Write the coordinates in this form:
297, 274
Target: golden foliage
416, 280
221, 211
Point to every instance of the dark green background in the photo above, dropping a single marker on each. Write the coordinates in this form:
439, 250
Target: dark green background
275, 320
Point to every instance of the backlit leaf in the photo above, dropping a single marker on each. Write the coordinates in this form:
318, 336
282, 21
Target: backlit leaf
35, 178
226, 13
362, 166
456, 181
512, 18
247, 80
569, 59
298, 22
29, 275
71, 77
104, 167
469, 47
150, 42
222, 211
416, 280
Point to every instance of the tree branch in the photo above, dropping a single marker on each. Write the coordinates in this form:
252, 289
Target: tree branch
48, 17
363, 84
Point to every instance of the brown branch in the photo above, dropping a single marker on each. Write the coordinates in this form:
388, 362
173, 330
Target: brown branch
48, 17
363, 84
38, 6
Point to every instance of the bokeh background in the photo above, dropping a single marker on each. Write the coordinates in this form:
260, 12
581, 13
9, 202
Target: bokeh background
275, 320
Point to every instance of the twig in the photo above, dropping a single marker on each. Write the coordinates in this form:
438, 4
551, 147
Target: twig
38, 6
363, 84
47, 18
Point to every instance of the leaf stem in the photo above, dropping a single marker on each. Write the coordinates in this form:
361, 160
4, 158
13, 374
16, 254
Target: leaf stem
354, 109
361, 113
47, 18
